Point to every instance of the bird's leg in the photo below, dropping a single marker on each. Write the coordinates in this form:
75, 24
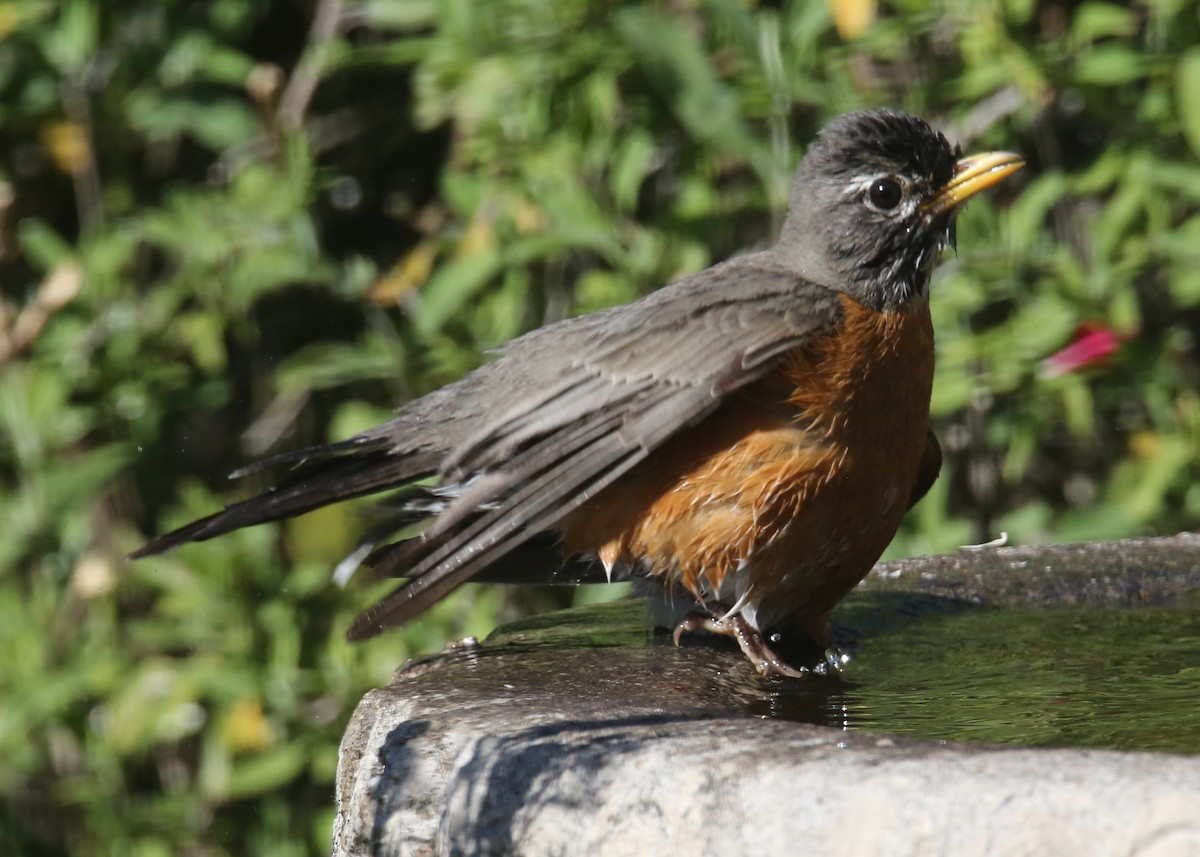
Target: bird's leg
749, 638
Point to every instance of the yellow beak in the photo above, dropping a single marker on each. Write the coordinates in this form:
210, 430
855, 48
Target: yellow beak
971, 175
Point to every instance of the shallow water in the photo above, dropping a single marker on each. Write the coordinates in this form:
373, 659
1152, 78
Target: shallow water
935, 668
1125, 679
1113, 678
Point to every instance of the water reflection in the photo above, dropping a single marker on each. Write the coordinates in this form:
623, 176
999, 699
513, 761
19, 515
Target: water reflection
934, 667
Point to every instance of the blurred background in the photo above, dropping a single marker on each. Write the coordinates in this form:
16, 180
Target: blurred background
235, 227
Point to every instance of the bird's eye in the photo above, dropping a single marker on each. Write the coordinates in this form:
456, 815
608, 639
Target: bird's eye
886, 193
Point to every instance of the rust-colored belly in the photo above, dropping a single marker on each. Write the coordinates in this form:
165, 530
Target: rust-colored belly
782, 500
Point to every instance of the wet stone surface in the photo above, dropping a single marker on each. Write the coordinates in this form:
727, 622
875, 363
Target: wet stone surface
584, 732
1131, 572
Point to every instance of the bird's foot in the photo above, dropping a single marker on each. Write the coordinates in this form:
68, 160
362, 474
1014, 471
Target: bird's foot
749, 638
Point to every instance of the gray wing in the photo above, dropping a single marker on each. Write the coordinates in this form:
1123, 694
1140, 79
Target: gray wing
559, 414
570, 408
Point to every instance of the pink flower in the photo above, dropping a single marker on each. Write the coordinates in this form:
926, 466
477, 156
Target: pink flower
1093, 343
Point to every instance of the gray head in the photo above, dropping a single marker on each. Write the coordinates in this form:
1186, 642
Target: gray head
874, 202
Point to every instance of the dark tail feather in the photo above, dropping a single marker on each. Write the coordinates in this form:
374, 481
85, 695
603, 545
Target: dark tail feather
536, 562
382, 438
427, 588
307, 456
484, 541
540, 562
410, 600
311, 487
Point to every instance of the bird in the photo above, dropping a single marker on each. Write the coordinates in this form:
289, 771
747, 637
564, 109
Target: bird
746, 438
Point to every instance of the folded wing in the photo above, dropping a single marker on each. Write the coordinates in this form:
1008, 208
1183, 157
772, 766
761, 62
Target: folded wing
560, 414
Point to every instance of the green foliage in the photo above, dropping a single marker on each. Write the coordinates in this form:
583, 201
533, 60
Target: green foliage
225, 231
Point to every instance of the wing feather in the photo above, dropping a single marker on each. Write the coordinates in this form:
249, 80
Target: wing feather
560, 414
618, 401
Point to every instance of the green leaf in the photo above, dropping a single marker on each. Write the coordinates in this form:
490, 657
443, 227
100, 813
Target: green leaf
676, 66
1117, 219
217, 124
1187, 91
42, 245
1095, 21
401, 15
72, 43
1029, 213
632, 162
1111, 65
451, 286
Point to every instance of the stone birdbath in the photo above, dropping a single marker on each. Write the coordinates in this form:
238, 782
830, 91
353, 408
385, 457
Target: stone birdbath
584, 733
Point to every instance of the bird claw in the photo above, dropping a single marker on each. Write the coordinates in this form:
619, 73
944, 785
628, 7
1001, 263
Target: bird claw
749, 639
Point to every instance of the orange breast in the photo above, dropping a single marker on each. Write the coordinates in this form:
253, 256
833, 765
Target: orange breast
784, 498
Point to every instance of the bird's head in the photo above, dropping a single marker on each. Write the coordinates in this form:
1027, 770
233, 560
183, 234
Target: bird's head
874, 202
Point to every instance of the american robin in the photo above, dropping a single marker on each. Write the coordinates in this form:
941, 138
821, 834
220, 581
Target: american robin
750, 435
